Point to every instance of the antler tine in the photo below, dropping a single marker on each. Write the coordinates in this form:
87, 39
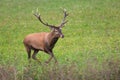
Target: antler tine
39, 18
65, 15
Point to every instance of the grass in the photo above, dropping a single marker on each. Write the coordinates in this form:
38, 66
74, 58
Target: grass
91, 45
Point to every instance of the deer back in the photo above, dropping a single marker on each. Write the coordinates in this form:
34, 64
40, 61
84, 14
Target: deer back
36, 40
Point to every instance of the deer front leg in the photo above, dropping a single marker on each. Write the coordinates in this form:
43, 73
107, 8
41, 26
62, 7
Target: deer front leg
51, 56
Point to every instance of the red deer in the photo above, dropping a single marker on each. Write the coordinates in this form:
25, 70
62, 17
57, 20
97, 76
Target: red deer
44, 41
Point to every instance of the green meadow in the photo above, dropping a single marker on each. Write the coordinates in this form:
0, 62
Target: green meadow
90, 49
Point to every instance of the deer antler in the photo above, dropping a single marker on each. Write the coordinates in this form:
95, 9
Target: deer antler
63, 21
51, 26
39, 18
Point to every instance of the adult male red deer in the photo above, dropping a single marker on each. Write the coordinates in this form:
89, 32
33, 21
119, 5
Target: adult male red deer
44, 41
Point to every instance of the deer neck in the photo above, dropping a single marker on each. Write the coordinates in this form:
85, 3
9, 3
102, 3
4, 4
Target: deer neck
52, 39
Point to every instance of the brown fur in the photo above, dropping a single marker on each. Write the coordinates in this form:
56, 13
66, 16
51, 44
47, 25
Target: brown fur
44, 41
41, 42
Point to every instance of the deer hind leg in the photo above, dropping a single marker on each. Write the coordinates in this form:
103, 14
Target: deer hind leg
34, 55
28, 49
29, 53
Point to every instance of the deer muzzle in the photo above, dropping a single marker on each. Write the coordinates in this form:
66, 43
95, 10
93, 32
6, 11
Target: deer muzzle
62, 36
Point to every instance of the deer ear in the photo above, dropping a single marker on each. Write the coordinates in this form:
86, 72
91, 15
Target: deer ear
52, 29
